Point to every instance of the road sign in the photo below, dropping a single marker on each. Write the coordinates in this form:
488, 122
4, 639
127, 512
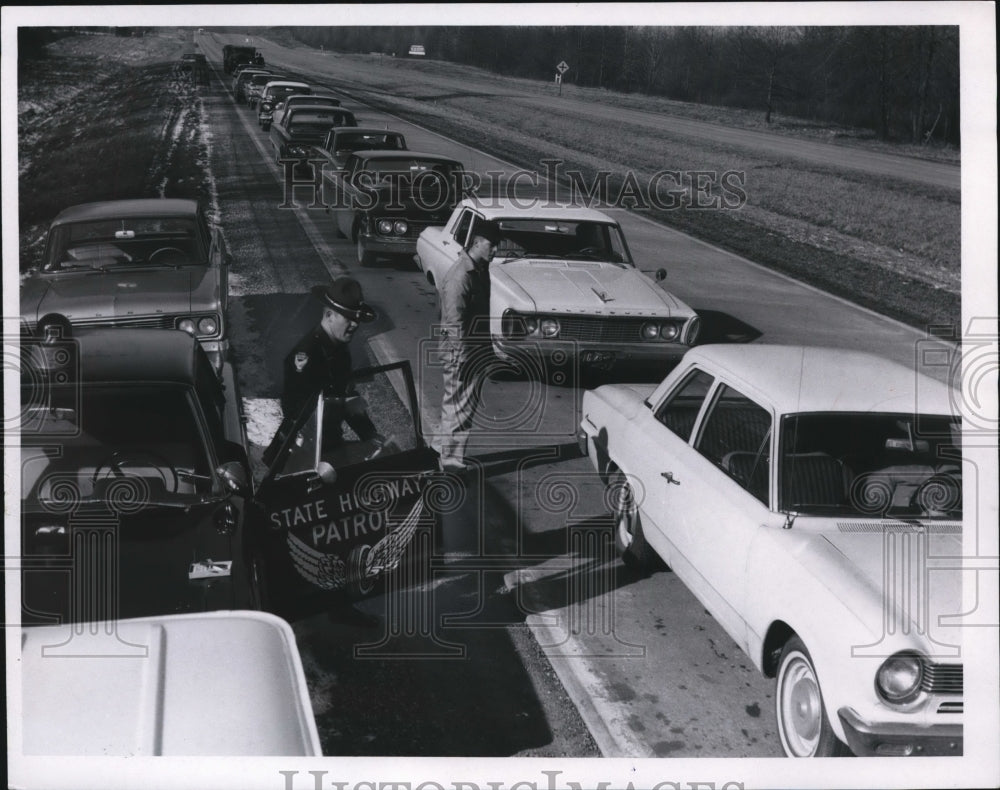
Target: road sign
563, 67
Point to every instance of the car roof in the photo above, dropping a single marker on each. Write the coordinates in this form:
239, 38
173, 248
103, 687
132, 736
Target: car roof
306, 108
190, 694
141, 207
286, 83
368, 130
504, 208
394, 153
815, 379
311, 96
137, 355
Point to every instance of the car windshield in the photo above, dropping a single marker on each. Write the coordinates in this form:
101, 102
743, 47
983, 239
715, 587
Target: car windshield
99, 444
871, 465
131, 242
561, 239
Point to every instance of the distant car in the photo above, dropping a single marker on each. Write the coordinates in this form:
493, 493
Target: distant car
253, 86
417, 50
215, 684
273, 94
242, 77
303, 126
383, 199
341, 142
147, 262
811, 499
314, 99
564, 283
135, 480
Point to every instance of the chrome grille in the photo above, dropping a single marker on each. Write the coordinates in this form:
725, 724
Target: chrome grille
598, 329
942, 679
138, 322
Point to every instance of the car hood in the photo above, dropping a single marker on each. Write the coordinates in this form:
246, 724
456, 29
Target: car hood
908, 571
117, 294
588, 287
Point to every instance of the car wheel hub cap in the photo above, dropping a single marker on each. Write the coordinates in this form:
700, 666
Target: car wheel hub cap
803, 709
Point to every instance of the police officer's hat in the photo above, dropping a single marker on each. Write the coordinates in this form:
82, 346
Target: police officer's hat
344, 296
488, 230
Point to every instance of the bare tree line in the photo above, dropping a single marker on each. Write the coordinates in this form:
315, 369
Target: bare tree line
900, 82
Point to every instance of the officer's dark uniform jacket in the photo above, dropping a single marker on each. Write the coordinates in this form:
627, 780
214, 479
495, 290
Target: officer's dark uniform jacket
319, 363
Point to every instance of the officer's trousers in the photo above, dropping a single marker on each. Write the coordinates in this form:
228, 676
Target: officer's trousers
464, 371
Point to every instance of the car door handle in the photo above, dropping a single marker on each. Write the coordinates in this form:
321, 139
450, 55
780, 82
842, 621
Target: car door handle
669, 477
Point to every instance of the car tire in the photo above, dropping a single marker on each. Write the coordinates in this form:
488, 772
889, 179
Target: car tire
630, 542
365, 258
803, 726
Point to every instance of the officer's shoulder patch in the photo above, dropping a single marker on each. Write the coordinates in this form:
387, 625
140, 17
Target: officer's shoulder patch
301, 360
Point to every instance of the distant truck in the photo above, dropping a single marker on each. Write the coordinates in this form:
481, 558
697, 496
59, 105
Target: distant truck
233, 55
304, 126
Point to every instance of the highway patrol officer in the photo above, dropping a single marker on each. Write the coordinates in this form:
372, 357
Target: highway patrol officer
465, 306
321, 361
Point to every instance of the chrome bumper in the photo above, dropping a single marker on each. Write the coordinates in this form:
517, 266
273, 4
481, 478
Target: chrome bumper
899, 739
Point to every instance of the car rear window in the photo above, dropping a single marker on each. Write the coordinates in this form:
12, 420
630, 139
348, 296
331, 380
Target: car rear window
132, 241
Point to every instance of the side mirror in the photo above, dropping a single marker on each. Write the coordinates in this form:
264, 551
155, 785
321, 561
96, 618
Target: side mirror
661, 275
234, 477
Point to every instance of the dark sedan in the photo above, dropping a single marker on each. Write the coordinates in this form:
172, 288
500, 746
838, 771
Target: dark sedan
135, 482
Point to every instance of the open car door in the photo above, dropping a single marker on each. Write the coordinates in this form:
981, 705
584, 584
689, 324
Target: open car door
338, 512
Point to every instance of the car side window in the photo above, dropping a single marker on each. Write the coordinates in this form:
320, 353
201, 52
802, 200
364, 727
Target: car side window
736, 437
462, 227
681, 409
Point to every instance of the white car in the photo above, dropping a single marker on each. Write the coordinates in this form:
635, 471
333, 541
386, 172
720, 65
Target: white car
563, 284
811, 499
220, 683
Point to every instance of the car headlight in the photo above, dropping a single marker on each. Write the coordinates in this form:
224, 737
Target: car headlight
384, 227
669, 331
898, 679
187, 324
208, 325
297, 151
399, 227
531, 325
549, 327
650, 331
